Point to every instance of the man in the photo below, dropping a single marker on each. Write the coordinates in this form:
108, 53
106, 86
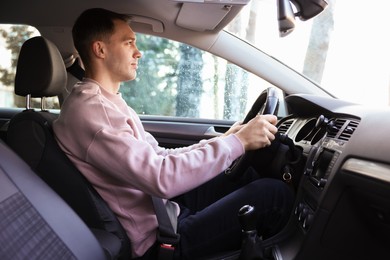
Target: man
105, 139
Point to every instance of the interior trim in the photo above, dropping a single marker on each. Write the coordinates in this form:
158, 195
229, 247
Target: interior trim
379, 171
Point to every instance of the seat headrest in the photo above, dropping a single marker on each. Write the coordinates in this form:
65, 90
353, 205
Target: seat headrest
40, 71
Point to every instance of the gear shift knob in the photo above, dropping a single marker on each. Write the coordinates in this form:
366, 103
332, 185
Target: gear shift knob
251, 247
247, 218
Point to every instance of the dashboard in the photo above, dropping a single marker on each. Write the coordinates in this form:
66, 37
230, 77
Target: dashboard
342, 209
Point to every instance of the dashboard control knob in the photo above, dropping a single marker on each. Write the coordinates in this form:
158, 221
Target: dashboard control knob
299, 208
321, 183
303, 214
308, 221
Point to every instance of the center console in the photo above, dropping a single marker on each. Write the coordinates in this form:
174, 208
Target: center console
318, 173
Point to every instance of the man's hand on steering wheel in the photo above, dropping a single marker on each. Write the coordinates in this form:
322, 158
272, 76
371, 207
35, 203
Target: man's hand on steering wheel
259, 132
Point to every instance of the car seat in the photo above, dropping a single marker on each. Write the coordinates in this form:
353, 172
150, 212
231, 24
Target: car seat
41, 73
35, 223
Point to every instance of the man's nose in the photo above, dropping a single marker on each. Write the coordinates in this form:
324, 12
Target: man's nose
137, 54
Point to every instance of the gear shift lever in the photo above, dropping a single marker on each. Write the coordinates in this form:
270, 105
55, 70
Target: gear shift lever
251, 244
247, 218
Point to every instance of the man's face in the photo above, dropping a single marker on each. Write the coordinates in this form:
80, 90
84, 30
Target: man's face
122, 53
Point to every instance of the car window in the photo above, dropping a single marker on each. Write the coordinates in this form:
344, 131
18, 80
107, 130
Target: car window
345, 48
175, 79
12, 37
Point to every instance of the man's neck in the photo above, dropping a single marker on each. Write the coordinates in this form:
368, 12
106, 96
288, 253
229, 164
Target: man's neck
105, 82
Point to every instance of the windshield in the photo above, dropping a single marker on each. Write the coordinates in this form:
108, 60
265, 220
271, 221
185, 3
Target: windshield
345, 49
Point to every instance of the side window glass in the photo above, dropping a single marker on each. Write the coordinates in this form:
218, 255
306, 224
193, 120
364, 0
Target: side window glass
175, 79
12, 38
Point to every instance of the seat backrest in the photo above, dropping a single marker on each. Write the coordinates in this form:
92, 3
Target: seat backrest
30, 135
29, 227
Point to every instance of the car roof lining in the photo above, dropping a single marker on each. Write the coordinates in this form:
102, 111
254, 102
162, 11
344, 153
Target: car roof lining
36, 12
164, 20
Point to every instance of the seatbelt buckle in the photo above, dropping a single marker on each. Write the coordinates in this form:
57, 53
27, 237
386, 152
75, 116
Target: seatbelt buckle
167, 246
166, 251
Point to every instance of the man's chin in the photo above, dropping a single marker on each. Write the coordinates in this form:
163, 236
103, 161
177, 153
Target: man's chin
130, 78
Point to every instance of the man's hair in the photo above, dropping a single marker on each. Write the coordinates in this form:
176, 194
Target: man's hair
94, 24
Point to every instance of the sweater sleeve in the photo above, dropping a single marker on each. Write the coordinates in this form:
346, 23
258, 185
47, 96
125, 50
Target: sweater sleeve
136, 162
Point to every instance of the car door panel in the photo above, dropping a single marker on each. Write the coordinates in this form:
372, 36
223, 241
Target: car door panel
172, 132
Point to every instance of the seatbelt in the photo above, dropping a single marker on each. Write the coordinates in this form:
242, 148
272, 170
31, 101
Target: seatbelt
167, 226
76, 70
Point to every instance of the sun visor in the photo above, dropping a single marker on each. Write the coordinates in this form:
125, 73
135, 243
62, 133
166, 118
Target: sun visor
208, 15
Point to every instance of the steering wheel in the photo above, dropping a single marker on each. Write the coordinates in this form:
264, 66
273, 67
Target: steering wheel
266, 103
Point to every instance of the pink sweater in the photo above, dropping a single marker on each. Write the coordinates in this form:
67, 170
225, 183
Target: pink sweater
106, 141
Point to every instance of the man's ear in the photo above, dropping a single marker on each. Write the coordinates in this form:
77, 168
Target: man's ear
99, 49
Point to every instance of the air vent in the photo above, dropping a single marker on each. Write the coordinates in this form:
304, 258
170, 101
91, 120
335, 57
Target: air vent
348, 130
283, 128
341, 128
334, 127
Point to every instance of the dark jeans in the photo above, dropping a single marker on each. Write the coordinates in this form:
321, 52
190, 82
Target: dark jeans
208, 223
